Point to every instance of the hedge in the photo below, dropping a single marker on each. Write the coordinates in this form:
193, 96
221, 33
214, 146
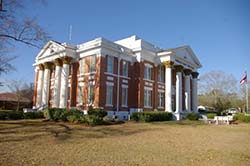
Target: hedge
211, 115
151, 116
94, 117
15, 115
242, 117
192, 116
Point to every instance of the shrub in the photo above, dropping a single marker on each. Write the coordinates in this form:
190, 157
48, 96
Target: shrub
57, 114
211, 115
64, 114
242, 117
151, 116
4, 114
192, 116
47, 113
97, 112
14, 115
93, 120
74, 119
33, 115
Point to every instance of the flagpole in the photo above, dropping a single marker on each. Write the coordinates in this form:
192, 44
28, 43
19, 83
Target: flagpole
247, 96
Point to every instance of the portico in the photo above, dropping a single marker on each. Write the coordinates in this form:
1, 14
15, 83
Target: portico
182, 86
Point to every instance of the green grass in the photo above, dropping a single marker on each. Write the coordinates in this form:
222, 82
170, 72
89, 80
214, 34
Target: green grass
34, 142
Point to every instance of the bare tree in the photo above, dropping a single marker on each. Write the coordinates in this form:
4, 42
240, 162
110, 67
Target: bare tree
17, 28
21, 90
218, 89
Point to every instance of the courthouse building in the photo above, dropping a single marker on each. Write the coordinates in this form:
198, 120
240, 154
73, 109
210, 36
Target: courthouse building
121, 77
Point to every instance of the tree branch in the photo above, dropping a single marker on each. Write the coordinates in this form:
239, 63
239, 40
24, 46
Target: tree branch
19, 40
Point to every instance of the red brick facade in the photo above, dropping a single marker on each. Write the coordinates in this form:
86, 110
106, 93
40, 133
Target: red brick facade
86, 68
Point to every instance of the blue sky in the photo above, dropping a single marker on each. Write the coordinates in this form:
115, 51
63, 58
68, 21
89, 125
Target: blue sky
217, 30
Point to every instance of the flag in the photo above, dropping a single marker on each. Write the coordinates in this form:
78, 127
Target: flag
244, 78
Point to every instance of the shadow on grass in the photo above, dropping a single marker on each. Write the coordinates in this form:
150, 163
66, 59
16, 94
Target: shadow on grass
27, 130
181, 123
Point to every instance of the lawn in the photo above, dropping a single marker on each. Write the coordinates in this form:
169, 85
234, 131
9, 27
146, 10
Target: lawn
33, 142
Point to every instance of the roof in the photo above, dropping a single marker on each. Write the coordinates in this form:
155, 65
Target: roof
12, 97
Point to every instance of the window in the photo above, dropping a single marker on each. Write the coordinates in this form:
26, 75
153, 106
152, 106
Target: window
91, 94
124, 96
161, 74
148, 72
70, 70
110, 64
82, 66
109, 95
92, 64
124, 68
147, 98
161, 99
80, 95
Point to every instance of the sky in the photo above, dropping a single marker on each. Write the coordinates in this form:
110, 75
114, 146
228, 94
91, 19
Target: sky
218, 31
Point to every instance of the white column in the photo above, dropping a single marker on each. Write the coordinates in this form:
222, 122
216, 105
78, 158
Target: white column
57, 84
187, 90
178, 89
64, 83
194, 92
46, 82
40, 86
168, 86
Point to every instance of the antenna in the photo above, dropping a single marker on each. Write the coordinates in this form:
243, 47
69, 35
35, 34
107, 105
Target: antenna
70, 32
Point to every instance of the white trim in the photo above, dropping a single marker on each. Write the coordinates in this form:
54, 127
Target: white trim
124, 81
161, 83
161, 90
91, 83
148, 80
109, 83
148, 84
110, 78
79, 104
81, 74
148, 88
124, 86
148, 65
81, 84
109, 105
91, 77
150, 107
90, 73
125, 106
115, 75
81, 79
160, 107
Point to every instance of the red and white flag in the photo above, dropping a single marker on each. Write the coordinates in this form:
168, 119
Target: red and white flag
244, 78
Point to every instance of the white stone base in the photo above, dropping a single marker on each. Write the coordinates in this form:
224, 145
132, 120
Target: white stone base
121, 115
177, 116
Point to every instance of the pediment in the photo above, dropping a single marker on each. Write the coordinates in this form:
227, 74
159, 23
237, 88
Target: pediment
49, 49
186, 54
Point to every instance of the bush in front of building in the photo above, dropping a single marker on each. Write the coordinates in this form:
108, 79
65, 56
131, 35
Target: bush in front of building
95, 116
151, 116
192, 116
242, 117
211, 115
15, 115
97, 112
57, 114
33, 115
93, 120
11, 115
